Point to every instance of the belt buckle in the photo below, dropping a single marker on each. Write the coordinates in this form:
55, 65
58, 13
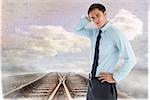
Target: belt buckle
90, 76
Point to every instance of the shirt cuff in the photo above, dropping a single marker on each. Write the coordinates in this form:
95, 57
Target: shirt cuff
116, 77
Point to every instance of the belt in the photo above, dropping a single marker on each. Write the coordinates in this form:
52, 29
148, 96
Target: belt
91, 77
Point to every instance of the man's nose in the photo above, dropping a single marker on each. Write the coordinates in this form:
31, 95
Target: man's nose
96, 20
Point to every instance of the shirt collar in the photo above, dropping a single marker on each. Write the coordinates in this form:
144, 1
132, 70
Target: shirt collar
104, 28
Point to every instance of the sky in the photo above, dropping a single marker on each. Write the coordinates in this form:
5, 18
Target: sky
37, 34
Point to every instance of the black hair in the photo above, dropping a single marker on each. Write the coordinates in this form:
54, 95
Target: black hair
97, 6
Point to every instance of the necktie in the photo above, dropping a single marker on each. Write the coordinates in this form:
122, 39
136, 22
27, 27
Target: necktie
96, 55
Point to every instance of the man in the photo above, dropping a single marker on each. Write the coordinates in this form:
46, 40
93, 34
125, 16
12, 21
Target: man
107, 44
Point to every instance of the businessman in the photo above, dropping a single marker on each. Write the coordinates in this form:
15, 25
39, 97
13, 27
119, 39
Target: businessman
107, 44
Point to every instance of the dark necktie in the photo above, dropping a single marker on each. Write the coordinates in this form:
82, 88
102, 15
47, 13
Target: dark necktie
96, 55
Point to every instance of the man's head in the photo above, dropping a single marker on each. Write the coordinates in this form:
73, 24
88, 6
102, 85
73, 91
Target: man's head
97, 14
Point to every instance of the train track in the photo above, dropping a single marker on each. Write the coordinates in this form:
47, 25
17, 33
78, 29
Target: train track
77, 85
53, 86
38, 89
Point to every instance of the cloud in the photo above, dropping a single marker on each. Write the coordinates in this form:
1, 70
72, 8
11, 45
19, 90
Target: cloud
70, 66
50, 40
128, 23
59, 39
29, 50
18, 65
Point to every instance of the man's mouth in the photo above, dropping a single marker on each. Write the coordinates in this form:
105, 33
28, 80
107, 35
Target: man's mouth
98, 23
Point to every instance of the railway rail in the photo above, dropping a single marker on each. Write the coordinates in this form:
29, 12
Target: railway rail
53, 86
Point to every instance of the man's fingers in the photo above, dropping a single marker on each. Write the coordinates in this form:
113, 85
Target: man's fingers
101, 78
105, 77
102, 75
103, 81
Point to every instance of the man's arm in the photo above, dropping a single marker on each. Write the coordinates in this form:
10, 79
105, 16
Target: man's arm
81, 29
129, 57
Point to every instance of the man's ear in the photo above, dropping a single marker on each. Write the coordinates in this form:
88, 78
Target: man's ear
105, 14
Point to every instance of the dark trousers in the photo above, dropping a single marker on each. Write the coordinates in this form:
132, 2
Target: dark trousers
101, 91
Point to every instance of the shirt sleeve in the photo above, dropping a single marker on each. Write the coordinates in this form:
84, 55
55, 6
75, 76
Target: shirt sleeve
126, 50
81, 29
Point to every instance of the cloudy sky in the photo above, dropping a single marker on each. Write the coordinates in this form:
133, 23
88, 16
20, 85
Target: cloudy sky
37, 34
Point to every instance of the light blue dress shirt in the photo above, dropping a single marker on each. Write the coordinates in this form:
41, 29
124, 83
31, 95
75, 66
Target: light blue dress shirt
112, 45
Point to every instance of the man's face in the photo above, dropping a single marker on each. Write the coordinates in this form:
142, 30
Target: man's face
98, 17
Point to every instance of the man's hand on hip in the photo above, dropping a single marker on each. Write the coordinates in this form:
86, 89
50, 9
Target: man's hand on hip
106, 77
